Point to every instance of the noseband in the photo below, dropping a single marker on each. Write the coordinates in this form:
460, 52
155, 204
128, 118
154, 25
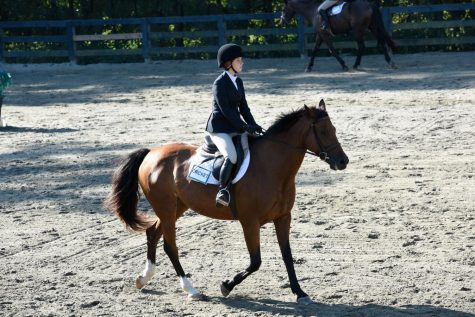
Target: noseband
323, 153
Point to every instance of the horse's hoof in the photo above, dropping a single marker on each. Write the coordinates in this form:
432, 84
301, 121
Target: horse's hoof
308, 70
224, 290
195, 297
345, 68
138, 282
305, 301
393, 66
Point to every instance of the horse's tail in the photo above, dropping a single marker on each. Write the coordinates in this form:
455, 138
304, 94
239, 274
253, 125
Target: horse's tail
125, 192
378, 24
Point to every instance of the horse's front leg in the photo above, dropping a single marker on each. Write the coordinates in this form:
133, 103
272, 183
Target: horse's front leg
318, 42
252, 237
282, 229
334, 52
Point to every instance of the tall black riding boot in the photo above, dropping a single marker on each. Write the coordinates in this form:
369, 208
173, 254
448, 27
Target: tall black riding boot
223, 198
325, 20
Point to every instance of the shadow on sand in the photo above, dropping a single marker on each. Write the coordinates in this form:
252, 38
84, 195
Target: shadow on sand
276, 307
36, 130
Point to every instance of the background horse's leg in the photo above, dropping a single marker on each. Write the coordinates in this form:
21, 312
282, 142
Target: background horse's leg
382, 47
331, 48
359, 53
282, 229
384, 39
318, 42
252, 237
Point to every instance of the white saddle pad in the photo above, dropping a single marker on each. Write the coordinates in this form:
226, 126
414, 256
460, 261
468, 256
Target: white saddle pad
203, 172
337, 9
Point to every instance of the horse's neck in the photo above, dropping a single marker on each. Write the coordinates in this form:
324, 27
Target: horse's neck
308, 11
284, 155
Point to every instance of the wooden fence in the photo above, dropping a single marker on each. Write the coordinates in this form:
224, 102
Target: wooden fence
157, 37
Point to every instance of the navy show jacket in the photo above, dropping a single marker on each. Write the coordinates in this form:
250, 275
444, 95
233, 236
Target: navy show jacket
229, 104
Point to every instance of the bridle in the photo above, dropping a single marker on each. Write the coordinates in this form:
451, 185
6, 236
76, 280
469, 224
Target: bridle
323, 154
323, 151
283, 18
282, 14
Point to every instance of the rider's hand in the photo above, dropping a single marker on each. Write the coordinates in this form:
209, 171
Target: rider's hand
258, 129
250, 129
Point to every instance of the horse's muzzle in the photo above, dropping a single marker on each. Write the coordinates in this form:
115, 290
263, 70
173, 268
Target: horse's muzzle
338, 163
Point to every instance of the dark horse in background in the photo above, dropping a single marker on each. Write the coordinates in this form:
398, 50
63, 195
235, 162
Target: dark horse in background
266, 193
356, 17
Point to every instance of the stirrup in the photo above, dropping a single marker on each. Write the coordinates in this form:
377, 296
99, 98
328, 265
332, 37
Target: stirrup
221, 198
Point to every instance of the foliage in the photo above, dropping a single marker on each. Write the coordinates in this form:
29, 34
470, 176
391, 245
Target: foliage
26, 10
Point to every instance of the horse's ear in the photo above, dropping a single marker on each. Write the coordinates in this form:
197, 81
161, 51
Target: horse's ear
308, 112
322, 105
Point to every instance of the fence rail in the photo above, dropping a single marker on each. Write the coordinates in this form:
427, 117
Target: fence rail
73, 37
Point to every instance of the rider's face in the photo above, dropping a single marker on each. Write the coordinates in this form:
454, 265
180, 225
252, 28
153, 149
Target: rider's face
237, 64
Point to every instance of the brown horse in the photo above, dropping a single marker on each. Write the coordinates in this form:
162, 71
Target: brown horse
356, 17
266, 192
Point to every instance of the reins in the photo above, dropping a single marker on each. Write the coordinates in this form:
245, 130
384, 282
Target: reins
323, 153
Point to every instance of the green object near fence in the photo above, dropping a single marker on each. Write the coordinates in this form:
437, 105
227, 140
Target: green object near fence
5, 81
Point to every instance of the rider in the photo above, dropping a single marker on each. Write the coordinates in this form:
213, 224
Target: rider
322, 9
224, 122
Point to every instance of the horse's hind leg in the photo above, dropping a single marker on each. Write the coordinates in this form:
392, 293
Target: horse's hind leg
153, 236
359, 53
169, 211
382, 47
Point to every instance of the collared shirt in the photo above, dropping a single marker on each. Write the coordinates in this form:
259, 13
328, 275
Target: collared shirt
233, 78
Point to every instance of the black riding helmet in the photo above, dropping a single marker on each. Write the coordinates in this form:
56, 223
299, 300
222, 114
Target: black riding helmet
228, 52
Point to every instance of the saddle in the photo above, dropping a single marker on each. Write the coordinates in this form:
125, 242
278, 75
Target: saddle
337, 8
206, 164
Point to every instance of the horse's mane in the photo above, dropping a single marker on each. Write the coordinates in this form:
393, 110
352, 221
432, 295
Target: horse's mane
286, 120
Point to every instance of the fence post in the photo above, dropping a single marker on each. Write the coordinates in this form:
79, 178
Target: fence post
301, 36
70, 33
221, 31
146, 41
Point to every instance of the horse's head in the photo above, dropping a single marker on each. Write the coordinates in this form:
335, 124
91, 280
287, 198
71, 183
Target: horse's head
287, 13
321, 138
